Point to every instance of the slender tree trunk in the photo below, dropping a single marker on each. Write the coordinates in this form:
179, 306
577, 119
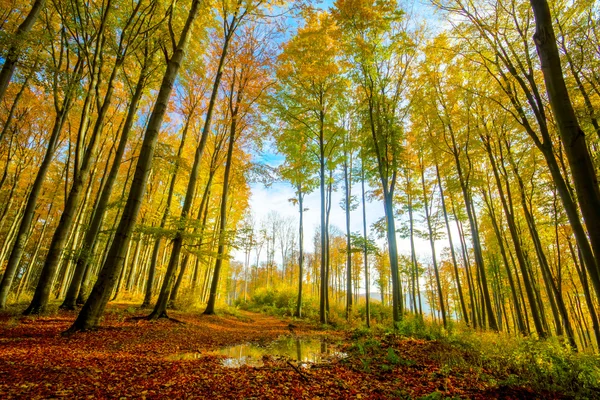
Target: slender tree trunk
160, 309
432, 244
365, 247
202, 210
416, 289
178, 281
556, 299
12, 230
348, 186
452, 253
470, 284
519, 316
571, 135
586, 291
166, 213
397, 304
328, 280
32, 262
298, 312
136, 261
89, 268
507, 205
123, 270
14, 51
89, 316
212, 298
323, 286
19, 243
479, 259
48, 275
11, 112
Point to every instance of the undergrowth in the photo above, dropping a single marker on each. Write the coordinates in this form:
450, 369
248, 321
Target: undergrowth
547, 365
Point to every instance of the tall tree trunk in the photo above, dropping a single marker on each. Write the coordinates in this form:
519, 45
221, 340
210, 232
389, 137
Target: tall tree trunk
300, 193
14, 51
328, 275
202, 215
81, 290
454, 263
507, 205
365, 247
323, 317
571, 135
497, 230
160, 308
94, 307
470, 284
416, 289
587, 294
135, 262
166, 212
555, 296
212, 298
19, 243
44, 287
432, 244
348, 186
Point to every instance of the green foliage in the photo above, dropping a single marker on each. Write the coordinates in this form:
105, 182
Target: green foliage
548, 364
359, 243
366, 364
380, 314
392, 357
436, 396
361, 332
414, 326
281, 302
500, 360
544, 365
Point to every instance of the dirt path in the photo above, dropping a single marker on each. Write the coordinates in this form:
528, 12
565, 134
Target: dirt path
129, 357
133, 358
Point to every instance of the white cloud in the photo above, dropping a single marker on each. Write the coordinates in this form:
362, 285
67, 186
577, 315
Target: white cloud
276, 198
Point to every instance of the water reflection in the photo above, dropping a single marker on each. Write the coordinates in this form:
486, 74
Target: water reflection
304, 351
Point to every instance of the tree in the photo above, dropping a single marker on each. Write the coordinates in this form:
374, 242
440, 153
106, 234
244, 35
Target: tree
247, 85
66, 70
571, 134
305, 99
93, 309
15, 49
381, 53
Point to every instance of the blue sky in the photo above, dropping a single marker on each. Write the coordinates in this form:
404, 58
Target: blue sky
276, 196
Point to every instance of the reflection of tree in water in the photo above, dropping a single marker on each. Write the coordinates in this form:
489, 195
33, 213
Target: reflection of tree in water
301, 350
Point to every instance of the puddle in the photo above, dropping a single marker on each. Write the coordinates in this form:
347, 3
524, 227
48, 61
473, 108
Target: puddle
303, 351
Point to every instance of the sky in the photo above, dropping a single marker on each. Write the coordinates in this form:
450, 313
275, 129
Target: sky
276, 196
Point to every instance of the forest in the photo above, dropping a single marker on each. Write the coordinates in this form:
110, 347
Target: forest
135, 133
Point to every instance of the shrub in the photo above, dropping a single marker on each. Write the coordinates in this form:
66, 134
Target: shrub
380, 314
273, 301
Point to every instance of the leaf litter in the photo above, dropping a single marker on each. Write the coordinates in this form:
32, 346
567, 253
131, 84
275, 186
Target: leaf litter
129, 358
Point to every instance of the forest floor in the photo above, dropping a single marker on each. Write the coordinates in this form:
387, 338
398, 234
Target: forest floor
139, 358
